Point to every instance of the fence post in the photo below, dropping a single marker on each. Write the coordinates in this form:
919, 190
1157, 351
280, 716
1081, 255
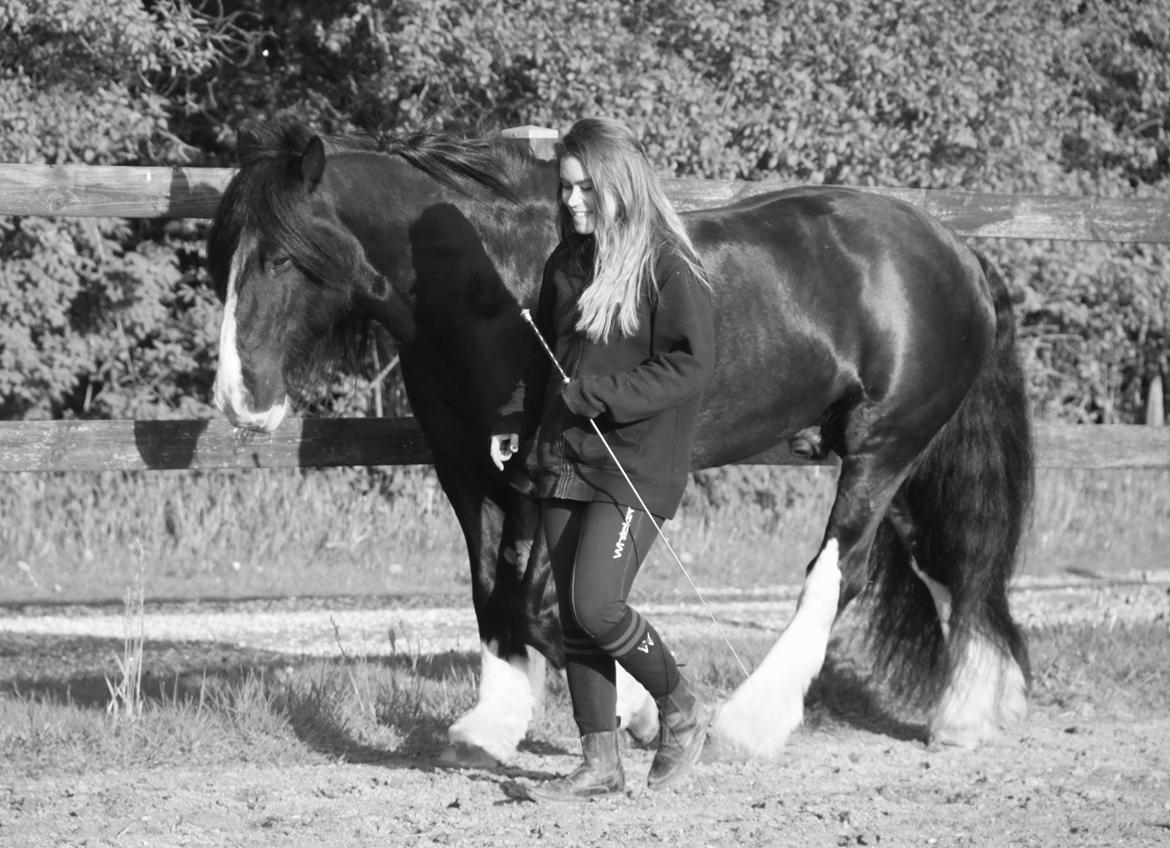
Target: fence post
1155, 414
541, 140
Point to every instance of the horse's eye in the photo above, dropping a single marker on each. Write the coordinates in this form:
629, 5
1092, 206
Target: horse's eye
278, 263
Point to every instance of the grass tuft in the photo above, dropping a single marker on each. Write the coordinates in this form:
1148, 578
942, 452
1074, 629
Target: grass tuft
126, 691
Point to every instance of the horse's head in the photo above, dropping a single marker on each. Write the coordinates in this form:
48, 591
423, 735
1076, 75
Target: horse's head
288, 271
306, 248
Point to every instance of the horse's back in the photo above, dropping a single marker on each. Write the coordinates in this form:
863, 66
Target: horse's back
826, 238
828, 294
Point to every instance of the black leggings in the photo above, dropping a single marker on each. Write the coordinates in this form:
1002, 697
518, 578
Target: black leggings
596, 550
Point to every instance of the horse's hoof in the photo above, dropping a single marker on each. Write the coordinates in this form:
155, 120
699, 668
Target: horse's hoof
720, 749
942, 739
461, 755
808, 444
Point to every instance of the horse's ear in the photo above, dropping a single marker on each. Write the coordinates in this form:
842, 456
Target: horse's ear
248, 141
313, 162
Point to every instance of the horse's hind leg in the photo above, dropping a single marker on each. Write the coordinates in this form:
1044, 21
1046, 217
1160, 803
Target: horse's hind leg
984, 687
979, 687
760, 715
902, 522
987, 689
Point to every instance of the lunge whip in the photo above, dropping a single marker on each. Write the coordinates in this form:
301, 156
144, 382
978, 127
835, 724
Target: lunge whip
565, 379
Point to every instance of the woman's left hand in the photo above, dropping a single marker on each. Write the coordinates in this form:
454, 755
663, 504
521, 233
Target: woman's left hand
575, 399
503, 447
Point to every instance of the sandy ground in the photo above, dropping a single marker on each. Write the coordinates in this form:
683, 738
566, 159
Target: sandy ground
1067, 777
1062, 781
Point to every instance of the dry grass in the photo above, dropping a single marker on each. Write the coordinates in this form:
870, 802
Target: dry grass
126, 689
390, 531
227, 534
304, 710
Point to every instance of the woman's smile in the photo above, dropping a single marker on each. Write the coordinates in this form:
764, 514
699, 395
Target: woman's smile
578, 195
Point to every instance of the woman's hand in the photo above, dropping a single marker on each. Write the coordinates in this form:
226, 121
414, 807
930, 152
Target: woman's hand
573, 393
503, 446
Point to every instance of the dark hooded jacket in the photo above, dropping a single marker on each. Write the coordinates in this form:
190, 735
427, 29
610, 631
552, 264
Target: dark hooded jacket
643, 391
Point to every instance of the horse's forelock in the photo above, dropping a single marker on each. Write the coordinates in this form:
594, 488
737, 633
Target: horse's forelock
323, 250
267, 204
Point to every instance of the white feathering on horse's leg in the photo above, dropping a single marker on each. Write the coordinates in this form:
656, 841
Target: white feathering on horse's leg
537, 670
489, 733
637, 712
760, 715
987, 693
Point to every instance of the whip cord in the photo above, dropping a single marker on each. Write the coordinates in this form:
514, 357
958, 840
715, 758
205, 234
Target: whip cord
678, 561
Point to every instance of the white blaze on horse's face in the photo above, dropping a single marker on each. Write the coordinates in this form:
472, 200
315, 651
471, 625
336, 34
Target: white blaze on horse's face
231, 395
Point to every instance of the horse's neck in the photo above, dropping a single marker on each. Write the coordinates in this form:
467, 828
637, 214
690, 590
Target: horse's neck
420, 211
518, 239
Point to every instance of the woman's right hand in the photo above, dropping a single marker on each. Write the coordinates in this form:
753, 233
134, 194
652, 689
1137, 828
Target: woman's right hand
503, 446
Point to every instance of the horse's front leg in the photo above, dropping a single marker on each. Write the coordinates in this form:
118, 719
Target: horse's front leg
763, 711
761, 714
509, 697
514, 628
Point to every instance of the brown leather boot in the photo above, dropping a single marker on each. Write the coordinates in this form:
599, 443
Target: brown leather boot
682, 731
600, 774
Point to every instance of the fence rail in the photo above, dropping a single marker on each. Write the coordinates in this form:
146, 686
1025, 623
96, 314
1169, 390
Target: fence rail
177, 192
212, 443
134, 192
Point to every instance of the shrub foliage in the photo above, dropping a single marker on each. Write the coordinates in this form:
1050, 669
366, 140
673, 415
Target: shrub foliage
97, 317
1041, 96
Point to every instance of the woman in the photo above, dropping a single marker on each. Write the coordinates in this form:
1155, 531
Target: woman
626, 308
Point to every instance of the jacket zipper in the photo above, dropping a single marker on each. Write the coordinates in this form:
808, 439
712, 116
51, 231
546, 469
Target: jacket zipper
565, 472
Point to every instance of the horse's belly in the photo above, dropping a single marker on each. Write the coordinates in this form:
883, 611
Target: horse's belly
742, 418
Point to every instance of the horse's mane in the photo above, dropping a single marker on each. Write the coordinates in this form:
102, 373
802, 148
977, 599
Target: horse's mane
482, 160
259, 196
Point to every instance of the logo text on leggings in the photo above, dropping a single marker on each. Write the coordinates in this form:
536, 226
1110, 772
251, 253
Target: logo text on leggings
623, 534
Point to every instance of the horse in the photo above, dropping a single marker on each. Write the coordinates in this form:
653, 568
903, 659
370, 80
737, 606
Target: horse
846, 323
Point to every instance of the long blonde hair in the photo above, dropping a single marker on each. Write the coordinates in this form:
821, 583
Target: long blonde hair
635, 224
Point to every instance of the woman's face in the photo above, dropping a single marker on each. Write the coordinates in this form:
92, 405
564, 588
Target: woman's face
578, 195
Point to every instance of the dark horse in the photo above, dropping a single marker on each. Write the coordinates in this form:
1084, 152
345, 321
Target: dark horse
846, 322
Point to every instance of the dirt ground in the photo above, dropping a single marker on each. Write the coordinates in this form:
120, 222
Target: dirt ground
1063, 780
1070, 776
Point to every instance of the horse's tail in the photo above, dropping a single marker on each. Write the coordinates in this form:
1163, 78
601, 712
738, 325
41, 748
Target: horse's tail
968, 501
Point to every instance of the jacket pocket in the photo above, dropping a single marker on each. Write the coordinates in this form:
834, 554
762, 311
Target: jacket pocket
628, 442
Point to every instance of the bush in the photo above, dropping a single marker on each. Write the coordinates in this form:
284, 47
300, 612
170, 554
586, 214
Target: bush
1045, 96
97, 317
1038, 97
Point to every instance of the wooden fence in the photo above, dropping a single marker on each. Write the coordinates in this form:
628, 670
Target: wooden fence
162, 192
